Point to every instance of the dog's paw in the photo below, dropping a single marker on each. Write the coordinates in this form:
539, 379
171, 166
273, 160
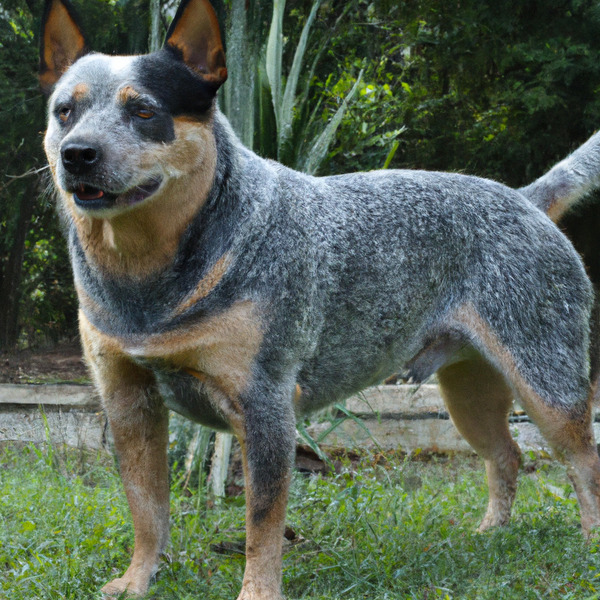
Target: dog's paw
493, 520
248, 596
253, 592
497, 513
122, 585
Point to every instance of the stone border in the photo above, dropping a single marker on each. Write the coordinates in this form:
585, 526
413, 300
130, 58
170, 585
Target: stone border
389, 417
52, 413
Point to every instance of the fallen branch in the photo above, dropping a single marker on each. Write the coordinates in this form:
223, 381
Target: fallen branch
29, 173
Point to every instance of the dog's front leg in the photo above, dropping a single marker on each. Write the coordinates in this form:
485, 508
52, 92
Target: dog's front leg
268, 446
139, 423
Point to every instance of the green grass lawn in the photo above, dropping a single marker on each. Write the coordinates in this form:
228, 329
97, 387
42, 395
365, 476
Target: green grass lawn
404, 529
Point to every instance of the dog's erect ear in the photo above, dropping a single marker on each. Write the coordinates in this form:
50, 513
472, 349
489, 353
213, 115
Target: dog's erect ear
62, 42
195, 34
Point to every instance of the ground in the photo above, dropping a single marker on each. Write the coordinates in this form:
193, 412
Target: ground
59, 363
394, 529
53, 364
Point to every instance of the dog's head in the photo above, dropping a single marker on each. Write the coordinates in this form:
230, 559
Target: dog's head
123, 129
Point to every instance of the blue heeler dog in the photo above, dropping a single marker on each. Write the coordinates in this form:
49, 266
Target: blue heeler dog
243, 294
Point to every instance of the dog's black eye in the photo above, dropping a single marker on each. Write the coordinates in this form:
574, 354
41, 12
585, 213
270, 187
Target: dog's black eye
63, 113
144, 113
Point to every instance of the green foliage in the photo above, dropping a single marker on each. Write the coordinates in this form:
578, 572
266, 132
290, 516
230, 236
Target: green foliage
499, 89
42, 551
128, 30
382, 529
47, 302
280, 122
21, 120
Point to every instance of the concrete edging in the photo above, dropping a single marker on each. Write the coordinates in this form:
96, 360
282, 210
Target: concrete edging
56, 413
389, 417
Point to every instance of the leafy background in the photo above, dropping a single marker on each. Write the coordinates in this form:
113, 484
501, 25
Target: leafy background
499, 89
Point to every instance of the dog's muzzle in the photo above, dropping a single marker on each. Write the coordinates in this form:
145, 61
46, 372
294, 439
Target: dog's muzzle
85, 180
92, 198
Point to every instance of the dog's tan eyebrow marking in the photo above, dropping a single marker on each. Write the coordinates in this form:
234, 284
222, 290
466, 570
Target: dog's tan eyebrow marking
206, 284
80, 91
127, 93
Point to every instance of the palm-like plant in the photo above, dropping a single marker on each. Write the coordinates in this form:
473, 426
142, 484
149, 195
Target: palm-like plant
269, 108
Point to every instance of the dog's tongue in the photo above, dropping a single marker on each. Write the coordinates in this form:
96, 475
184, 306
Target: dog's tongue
85, 192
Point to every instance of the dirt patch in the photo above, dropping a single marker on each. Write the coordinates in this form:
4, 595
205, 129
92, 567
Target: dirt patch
61, 363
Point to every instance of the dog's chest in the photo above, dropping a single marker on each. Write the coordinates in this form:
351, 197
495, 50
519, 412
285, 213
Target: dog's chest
185, 394
204, 368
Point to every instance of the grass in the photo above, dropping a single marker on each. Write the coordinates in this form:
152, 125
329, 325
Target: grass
393, 529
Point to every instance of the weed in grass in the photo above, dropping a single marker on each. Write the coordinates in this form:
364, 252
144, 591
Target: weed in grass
398, 529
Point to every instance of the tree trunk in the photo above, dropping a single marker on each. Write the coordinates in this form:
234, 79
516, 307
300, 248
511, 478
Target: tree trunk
11, 276
154, 41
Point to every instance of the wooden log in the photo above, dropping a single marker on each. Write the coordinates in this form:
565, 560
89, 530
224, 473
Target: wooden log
220, 463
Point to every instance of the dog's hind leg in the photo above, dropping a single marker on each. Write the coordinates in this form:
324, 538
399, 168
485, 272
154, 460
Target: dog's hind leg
569, 432
547, 368
478, 400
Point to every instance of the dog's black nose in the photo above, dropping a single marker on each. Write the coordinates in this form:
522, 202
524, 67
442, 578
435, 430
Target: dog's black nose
80, 158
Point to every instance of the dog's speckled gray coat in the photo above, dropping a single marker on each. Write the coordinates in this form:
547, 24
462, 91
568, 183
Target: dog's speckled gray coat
357, 273
355, 277
569, 180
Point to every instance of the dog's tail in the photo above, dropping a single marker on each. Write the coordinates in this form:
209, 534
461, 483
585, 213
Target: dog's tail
567, 182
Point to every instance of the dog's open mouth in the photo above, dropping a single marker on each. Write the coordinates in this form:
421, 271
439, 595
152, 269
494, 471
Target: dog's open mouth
93, 198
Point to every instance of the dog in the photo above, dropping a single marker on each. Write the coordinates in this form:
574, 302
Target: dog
243, 294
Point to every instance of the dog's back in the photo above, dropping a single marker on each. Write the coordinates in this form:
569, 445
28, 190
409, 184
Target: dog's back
418, 247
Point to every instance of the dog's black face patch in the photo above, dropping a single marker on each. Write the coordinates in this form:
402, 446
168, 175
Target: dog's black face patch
157, 129
166, 77
150, 118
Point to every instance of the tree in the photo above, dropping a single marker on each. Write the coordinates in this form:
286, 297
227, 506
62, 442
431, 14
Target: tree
20, 119
36, 291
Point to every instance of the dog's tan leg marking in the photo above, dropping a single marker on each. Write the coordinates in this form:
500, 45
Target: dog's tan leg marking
265, 509
297, 395
569, 431
479, 399
139, 424
264, 541
570, 434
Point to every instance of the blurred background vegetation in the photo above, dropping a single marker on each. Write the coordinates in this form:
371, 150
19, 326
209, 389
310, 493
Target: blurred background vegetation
499, 89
